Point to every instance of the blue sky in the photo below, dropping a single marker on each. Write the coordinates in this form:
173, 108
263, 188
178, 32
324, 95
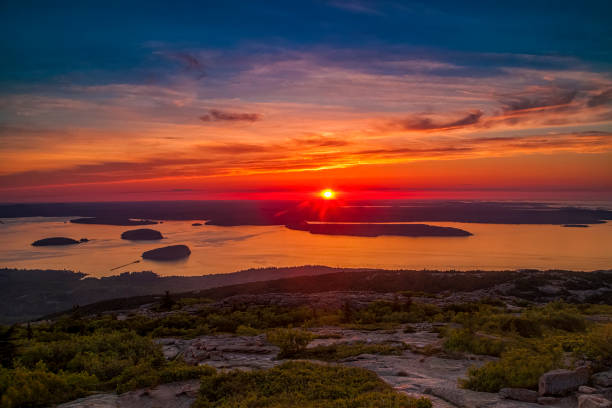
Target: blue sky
125, 96
45, 40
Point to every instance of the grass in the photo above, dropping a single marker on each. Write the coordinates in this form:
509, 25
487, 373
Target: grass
337, 352
302, 385
467, 341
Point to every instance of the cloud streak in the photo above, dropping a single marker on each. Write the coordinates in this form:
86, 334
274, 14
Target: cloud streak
215, 115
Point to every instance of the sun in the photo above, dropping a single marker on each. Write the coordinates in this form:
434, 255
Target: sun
328, 194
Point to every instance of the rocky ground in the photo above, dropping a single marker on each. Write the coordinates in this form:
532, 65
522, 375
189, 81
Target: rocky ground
413, 371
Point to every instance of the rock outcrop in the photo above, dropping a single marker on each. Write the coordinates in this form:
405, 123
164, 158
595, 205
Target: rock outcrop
169, 253
603, 379
55, 241
519, 394
593, 401
142, 234
561, 382
176, 395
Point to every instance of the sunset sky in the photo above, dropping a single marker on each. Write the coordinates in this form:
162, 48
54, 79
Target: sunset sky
280, 99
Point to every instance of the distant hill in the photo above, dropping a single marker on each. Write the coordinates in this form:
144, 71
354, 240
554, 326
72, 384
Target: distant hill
29, 294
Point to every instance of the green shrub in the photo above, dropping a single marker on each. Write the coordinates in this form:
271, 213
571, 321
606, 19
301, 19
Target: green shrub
290, 341
522, 326
598, 345
517, 368
243, 330
465, 340
336, 352
22, 387
302, 385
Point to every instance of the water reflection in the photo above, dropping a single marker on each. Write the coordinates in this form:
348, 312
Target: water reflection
228, 249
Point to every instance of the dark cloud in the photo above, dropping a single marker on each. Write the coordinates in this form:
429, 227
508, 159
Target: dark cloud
215, 115
237, 148
417, 123
189, 62
602, 98
321, 141
414, 151
522, 102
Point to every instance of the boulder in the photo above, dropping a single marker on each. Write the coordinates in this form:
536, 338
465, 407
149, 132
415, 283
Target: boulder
586, 390
169, 253
593, 401
55, 241
560, 382
519, 394
142, 234
548, 400
603, 379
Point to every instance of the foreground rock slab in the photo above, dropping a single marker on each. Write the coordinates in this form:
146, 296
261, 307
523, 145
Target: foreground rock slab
593, 401
603, 379
519, 394
172, 395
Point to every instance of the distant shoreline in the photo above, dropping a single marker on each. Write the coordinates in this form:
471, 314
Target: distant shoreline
243, 213
28, 294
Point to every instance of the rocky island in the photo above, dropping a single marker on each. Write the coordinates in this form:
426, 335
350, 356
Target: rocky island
57, 241
169, 253
124, 221
142, 234
375, 230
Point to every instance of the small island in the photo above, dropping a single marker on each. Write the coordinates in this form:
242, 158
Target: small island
196, 224
169, 253
56, 241
576, 226
375, 230
142, 234
123, 221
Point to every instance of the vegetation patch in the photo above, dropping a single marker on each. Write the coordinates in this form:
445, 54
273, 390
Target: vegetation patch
468, 341
337, 352
50, 365
303, 385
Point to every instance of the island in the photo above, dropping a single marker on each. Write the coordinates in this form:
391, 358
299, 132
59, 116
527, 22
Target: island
124, 221
169, 253
375, 230
142, 234
576, 226
55, 241
196, 224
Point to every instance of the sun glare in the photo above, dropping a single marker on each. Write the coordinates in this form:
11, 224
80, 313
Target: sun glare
328, 194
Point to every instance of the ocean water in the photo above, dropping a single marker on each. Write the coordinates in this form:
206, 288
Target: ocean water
229, 249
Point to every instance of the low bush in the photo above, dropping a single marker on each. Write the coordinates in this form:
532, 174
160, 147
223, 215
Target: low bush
518, 367
465, 340
336, 352
290, 341
22, 387
302, 385
598, 346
